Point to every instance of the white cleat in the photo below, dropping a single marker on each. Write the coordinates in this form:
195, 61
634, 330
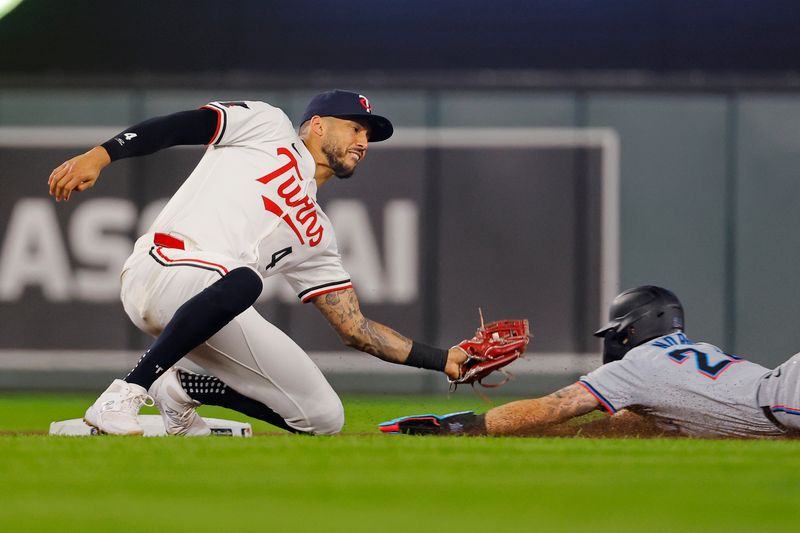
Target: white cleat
178, 410
116, 411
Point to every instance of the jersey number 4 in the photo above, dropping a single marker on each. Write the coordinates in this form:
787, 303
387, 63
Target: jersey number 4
277, 256
704, 364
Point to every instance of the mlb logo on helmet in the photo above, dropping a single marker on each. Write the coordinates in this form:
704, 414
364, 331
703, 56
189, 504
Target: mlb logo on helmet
365, 103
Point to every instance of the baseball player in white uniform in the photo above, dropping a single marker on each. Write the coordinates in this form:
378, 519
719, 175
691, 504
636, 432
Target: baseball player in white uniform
246, 212
654, 376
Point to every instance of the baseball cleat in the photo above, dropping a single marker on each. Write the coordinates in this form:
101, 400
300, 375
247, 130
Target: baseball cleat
178, 409
116, 411
449, 424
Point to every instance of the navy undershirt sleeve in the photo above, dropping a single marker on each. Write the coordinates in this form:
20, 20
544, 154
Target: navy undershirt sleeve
186, 127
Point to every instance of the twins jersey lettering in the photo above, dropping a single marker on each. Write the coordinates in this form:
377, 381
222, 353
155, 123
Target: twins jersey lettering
693, 388
257, 203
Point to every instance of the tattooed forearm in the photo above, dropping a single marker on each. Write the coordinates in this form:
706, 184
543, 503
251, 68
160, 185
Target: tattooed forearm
530, 416
572, 399
381, 341
343, 312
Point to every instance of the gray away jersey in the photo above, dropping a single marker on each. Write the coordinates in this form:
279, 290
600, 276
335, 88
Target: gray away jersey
693, 388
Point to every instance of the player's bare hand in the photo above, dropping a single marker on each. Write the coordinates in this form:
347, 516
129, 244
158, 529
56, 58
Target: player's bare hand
455, 358
77, 174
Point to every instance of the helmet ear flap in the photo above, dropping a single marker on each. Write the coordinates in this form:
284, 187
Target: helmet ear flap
615, 346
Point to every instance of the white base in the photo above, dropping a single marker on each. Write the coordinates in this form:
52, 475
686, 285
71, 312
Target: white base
153, 426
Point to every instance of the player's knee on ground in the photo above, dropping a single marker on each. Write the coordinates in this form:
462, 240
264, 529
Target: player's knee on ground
325, 419
329, 422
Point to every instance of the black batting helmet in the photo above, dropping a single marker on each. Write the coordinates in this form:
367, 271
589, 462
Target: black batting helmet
638, 315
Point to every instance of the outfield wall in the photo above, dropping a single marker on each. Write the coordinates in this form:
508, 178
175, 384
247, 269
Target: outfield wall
707, 191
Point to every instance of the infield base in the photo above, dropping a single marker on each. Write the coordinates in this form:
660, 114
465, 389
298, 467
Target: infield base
153, 426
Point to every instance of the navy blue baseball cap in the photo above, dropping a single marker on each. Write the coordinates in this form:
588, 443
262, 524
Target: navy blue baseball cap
344, 104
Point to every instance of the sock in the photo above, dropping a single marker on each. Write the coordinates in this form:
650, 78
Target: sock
196, 321
210, 390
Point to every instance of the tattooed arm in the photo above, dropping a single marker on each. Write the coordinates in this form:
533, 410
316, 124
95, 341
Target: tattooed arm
343, 312
531, 416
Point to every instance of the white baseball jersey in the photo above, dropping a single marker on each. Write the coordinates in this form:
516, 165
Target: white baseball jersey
693, 388
250, 202
252, 198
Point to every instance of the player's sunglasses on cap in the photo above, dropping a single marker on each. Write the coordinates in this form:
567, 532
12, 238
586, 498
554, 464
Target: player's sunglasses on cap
344, 104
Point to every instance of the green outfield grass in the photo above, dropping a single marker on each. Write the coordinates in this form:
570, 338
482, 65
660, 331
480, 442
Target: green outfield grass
365, 481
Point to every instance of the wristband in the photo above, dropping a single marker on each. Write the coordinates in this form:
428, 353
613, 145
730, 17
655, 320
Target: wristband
424, 356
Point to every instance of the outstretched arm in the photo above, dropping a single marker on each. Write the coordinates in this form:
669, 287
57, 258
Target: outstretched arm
623, 424
531, 416
81, 172
538, 417
343, 312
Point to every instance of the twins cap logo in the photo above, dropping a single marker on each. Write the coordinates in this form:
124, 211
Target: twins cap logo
364, 103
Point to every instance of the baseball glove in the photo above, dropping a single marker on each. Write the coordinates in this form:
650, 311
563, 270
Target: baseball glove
494, 346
